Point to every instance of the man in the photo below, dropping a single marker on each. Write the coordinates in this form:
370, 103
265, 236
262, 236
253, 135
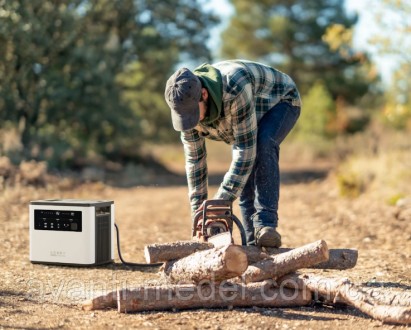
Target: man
250, 106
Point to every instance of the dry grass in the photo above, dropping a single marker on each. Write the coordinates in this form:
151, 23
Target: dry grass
39, 296
378, 163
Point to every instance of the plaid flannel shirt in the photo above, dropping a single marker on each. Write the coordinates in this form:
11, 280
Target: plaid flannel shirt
249, 90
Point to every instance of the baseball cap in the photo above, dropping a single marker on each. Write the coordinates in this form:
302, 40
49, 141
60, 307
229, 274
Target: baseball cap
182, 94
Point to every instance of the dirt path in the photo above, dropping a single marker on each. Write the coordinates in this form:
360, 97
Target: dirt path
38, 296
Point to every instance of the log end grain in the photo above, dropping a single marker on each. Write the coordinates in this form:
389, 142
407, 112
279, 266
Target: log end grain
236, 260
216, 264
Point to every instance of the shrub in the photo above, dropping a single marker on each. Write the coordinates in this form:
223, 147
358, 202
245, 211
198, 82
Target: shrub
385, 174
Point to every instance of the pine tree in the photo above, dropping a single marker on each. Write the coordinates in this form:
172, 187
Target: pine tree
288, 34
62, 67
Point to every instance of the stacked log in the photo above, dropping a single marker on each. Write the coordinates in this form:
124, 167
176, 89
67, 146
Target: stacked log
210, 295
284, 263
385, 306
154, 253
199, 275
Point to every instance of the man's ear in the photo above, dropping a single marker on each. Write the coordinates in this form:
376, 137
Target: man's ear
204, 94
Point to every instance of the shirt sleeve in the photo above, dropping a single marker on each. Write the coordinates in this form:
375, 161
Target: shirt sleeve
196, 167
244, 124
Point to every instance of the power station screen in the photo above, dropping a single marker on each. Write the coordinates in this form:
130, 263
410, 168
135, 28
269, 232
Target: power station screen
58, 220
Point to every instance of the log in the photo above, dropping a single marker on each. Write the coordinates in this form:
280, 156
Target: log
210, 295
287, 262
326, 290
344, 290
216, 264
338, 258
154, 253
102, 301
393, 298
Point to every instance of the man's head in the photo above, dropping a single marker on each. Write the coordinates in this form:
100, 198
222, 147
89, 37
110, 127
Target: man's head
183, 95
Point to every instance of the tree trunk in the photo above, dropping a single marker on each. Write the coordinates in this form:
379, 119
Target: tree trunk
342, 289
287, 262
210, 295
214, 265
154, 253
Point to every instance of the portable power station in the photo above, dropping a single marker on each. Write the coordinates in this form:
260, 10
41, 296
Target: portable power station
71, 231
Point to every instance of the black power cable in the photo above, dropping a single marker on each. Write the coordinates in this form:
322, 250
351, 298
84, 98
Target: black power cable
133, 264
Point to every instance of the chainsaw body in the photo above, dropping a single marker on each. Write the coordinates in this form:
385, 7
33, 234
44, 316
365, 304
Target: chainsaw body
214, 223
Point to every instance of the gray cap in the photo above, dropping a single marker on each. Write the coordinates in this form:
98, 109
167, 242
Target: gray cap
182, 94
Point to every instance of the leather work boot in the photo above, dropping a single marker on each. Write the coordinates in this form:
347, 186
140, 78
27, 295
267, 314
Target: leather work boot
267, 236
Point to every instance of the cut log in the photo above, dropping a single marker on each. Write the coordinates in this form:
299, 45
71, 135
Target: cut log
103, 301
155, 253
353, 295
287, 262
338, 258
215, 265
210, 295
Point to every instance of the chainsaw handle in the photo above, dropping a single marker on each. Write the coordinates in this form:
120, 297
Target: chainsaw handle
215, 205
218, 205
223, 208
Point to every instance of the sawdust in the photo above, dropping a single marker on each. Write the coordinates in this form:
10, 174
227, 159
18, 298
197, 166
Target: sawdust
39, 296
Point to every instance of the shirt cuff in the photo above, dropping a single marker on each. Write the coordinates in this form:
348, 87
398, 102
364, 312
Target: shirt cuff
225, 195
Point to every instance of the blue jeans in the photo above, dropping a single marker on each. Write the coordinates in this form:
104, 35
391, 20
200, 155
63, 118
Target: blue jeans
259, 199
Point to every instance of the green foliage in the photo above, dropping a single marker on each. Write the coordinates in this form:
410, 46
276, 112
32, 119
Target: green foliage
397, 110
393, 200
385, 173
392, 41
398, 116
318, 110
143, 89
68, 71
290, 35
393, 36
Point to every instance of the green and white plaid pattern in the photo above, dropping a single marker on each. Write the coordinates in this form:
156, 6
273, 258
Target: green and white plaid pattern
249, 90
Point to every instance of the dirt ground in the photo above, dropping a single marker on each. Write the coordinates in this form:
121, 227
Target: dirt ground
34, 296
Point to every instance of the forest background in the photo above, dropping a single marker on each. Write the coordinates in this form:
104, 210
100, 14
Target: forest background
82, 82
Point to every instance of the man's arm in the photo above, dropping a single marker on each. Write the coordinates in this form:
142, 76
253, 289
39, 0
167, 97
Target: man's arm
244, 123
196, 167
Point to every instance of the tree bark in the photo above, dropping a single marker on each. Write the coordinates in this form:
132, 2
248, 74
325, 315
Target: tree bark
287, 262
154, 253
210, 295
214, 265
384, 297
342, 289
338, 258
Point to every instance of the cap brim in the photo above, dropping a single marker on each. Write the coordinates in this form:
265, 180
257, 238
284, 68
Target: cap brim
186, 121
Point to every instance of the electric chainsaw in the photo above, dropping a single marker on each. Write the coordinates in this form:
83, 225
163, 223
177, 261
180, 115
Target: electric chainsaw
214, 223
